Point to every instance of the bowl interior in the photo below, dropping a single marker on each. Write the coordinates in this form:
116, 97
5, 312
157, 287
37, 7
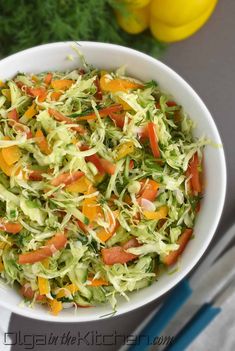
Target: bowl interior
55, 57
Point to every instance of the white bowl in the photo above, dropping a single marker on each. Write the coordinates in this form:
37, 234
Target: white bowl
55, 57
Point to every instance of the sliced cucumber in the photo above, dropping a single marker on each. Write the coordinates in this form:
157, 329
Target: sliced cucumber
143, 283
85, 292
81, 273
98, 294
121, 236
81, 301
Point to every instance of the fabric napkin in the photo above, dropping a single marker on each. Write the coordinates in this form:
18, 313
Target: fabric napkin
220, 334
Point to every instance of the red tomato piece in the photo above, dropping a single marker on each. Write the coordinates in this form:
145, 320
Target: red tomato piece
116, 254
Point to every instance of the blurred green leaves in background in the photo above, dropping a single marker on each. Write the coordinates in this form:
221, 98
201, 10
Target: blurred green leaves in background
24, 24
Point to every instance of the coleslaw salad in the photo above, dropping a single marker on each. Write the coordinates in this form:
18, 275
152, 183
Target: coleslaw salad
100, 185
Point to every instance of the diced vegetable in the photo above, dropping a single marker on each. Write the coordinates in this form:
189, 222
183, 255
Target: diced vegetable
131, 164
125, 105
133, 242
124, 149
159, 214
103, 234
117, 84
118, 119
171, 103
58, 242
48, 78
98, 93
39, 92
143, 133
68, 289
79, 186
116, 254
10, 227
82, 226
90, 206
8, 170
107, 166
28, 293
30, 112
61, 84
42, 143
95, 159
102, 112
11, 154
35, 175
14, 122
148, 190
43, 286
103, 165
183, 240
34, 78
56, 306
61, 118
55, 95
194, 172
13, 114
67, 178
153, 139
1, 266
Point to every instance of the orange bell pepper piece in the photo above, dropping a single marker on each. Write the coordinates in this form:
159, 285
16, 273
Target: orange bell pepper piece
90, 208
61, 84
55, 95
159, 214
56, 306
148, 190
8, 170
11, 154
72, 288
104, 234
117, 84
30, 112
43, 286
1, 266
79, 186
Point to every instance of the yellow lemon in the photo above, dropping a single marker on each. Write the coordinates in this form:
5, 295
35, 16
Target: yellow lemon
169, 34
136, 3
135, 21
179, 12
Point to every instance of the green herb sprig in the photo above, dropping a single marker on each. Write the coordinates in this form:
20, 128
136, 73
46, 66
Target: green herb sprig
24, 24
